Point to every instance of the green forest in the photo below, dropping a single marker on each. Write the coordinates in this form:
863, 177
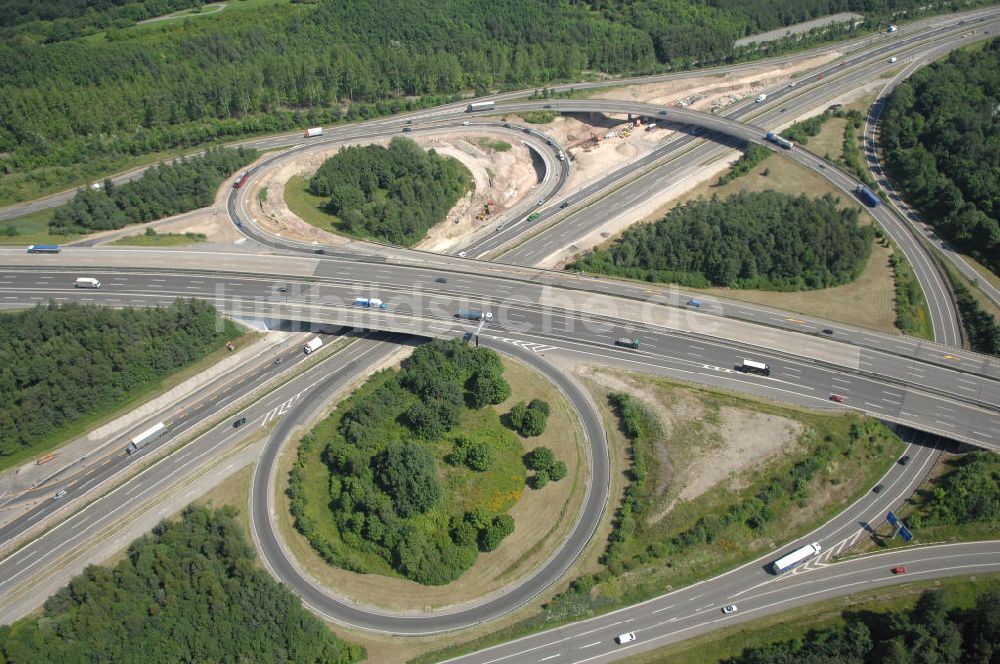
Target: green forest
162, 191
189, 592
969, 492
942, 143
391, 194
70, 106
765, 240
386, 503
935, 631
61, 362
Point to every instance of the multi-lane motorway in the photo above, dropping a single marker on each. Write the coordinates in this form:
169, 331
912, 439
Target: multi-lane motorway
933, 387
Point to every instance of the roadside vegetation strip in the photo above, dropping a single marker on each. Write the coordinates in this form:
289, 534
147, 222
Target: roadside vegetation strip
154, 239
392, 194
660, 543
912, 315
959, 502
31, 229
182, 594
981, 325
162, 191
876, 610
69, 367
752, 155
413, 475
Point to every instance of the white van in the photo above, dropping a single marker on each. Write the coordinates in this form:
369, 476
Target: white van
761, 98
87, 282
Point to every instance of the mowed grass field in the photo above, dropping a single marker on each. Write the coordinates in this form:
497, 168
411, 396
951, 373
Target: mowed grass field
542, 518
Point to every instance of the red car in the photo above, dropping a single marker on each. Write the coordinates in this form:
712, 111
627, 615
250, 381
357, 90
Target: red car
899, 569
839, 398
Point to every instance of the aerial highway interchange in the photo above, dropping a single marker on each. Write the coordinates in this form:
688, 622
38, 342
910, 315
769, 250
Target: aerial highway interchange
934, 389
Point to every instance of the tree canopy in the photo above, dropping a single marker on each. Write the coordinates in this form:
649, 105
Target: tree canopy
127, 91
60, 362
942, 143
189, 592
933, 631
387, 493
764, 240
390, 194
162, 191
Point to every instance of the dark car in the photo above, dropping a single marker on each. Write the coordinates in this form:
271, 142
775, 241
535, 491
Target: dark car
409, 122
663, 112
827, 331
441, 280
564, 206
506, 125
320, 251
240, 422
878, 488
407, 130
283, 289
903, 460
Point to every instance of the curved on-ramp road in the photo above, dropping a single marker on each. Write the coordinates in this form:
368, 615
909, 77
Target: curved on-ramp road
262, 509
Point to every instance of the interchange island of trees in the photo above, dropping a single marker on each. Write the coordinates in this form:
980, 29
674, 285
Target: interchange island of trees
765, 240
391, 194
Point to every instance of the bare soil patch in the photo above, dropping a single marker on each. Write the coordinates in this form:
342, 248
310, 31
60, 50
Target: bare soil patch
704, 443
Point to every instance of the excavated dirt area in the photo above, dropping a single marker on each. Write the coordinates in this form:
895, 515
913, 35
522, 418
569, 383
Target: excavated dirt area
501, 180
703, 444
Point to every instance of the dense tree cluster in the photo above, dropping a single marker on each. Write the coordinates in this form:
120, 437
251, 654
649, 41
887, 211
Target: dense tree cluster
968, 493
162, 191
762, 240
190, 592
530, 419
186, 82
981, 327
390, 194
547, 467
61, 362
934, 631
58, 20
942, 143
384, 477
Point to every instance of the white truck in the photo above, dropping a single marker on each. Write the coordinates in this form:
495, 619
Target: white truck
145, 438
370, 302
754, 367
312, 345
480, 106
312, 132
87, 282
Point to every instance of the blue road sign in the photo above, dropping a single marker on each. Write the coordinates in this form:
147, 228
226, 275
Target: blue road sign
905, 533
891, 518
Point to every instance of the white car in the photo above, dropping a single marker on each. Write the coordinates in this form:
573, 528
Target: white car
625, 638
730, 608
463, 254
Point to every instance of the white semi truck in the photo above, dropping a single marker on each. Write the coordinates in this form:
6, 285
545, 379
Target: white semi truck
312, 345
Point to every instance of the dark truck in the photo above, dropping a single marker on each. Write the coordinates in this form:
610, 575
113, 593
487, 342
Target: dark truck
627, 342
867, 196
